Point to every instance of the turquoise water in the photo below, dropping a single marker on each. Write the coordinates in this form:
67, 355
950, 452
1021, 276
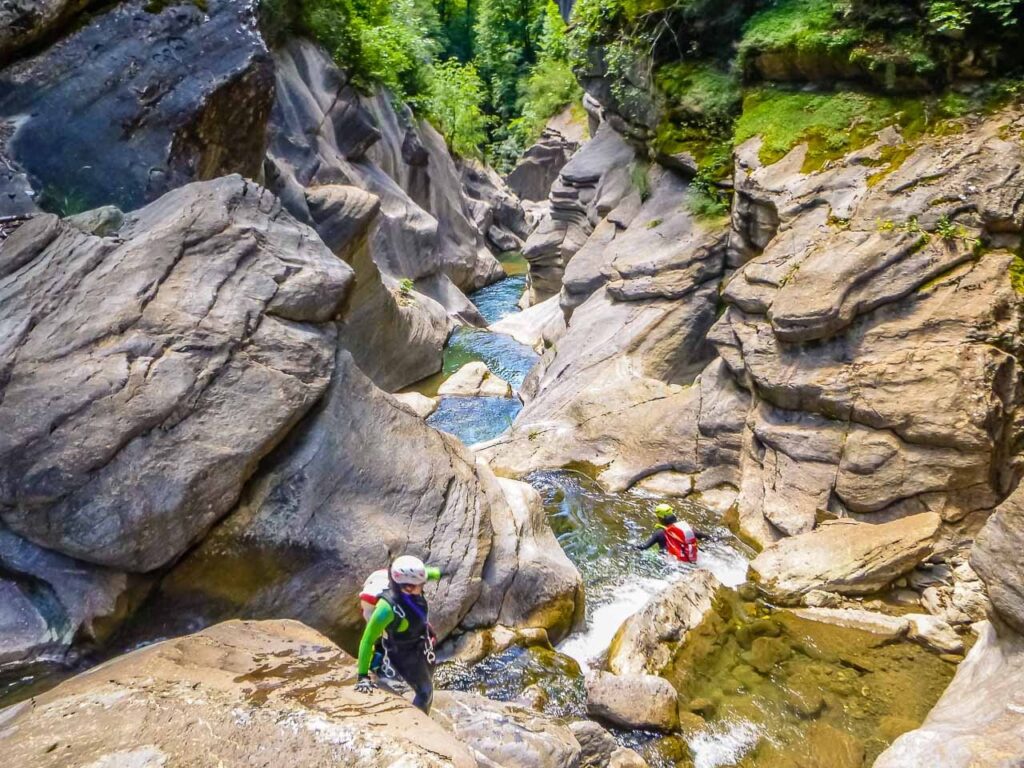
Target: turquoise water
476, 419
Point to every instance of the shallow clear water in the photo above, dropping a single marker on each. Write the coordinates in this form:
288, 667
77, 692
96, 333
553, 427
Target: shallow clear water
476, 419
598, 531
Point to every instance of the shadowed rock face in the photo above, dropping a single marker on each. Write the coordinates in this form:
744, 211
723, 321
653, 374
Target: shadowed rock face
275, 686
137, 103
143, 376
22, 22
996, 557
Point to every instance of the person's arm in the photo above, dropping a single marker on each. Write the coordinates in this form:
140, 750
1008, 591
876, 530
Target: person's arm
658, 537
381, 617
433, 574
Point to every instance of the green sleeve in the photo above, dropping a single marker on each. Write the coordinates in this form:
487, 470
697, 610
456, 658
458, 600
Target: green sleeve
380, 618
433, 573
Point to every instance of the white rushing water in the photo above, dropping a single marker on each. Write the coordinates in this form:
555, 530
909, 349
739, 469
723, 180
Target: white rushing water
723, 744
616, 602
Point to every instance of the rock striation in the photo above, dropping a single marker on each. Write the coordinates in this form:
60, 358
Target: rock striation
874, 388
275, 684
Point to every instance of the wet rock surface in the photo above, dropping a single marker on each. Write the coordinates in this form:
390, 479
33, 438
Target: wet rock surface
277, 684
632, 701
504, 734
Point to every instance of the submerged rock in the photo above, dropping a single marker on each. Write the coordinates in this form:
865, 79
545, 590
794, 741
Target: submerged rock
273, 688
979, 721
844, 556
505, 735
648, 641
883, 625
475, 380
633, 701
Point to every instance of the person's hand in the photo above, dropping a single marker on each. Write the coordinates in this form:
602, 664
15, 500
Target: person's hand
365, 684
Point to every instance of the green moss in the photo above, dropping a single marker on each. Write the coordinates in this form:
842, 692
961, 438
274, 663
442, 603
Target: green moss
700, 91
831, 124
801, 25
1017, 274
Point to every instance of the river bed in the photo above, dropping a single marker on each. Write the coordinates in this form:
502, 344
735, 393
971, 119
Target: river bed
766, 689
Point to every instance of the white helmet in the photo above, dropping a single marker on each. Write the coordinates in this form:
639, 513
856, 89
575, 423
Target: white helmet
408, 570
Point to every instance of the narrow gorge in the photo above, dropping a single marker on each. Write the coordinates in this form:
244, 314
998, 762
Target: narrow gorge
290, 288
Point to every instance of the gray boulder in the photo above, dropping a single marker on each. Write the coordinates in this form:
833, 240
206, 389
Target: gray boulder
358, 482
538, 168
845, 557
503, 735
633, 701
648, 641
996, 557
139, 102
24, 21
275, 684
596, 744
979, 721
144, 376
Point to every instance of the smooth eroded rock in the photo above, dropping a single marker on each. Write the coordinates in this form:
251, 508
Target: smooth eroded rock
475, 380
979, 721
505, 734
273, 688
633, 701
647, 641
845, 556
145, 376
996, 557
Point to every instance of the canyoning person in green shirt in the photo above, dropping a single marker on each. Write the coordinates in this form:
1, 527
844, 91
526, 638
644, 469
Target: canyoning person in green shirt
675, 536
400, 617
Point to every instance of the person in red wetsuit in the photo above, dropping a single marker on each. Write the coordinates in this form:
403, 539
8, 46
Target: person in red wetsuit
674, 536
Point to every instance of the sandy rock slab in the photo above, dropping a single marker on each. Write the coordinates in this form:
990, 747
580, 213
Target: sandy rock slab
475, 380
844, 556
238, 694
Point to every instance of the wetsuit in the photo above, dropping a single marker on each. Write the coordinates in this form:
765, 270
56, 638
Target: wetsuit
658, 537
402, 621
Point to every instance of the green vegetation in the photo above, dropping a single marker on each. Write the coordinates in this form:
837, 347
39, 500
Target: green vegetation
832, 124
802, 26
405, 286
488, 74
1017, 274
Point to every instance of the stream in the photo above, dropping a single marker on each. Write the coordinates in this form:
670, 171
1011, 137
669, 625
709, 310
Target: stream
766, 688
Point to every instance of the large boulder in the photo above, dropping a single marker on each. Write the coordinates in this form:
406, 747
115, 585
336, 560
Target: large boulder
145, 375
633, 701
648, 640
360, 481
142, 99
979, 721
505, 735
996, 557
845, 557
275, 689
475, 380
